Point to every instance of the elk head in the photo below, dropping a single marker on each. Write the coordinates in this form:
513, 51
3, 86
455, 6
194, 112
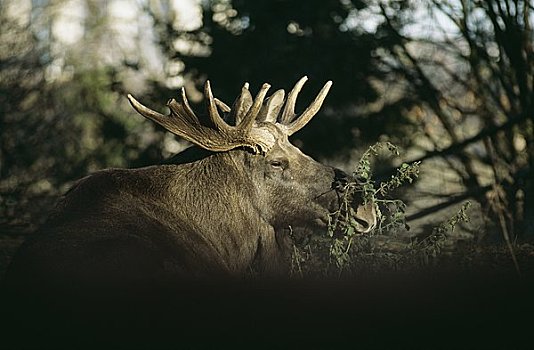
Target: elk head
289, 187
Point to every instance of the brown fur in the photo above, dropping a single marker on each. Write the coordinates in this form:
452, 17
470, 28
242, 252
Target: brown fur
207, 214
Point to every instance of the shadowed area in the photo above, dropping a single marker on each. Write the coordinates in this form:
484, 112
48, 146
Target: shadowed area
434, 311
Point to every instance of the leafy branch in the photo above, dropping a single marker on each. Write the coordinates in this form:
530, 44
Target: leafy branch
342, 226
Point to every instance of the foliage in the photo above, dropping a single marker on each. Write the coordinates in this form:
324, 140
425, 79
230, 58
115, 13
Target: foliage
473, 79
342, 227
349, 251
281, 41
430, 247
56, 129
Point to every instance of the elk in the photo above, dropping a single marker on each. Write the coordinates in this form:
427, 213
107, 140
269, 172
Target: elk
221, 207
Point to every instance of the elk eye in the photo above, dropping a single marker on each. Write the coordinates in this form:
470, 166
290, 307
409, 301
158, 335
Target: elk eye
277, 164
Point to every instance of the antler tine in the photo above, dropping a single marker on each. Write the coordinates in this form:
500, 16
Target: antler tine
312, 109
213, 113
241, 106
144, 111
289, 110
270, 110
185, 106
168, 122
248, 120
179, 122
222, 106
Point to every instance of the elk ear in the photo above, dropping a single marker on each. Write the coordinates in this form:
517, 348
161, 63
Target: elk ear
270, 110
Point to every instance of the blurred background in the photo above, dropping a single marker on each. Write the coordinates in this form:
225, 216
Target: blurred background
450, 82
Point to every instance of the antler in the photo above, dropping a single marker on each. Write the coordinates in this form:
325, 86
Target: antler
289, 119
219, 136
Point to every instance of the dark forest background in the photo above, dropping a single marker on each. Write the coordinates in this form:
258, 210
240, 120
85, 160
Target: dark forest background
449, 82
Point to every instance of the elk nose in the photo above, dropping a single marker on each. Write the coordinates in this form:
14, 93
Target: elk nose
340, 180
